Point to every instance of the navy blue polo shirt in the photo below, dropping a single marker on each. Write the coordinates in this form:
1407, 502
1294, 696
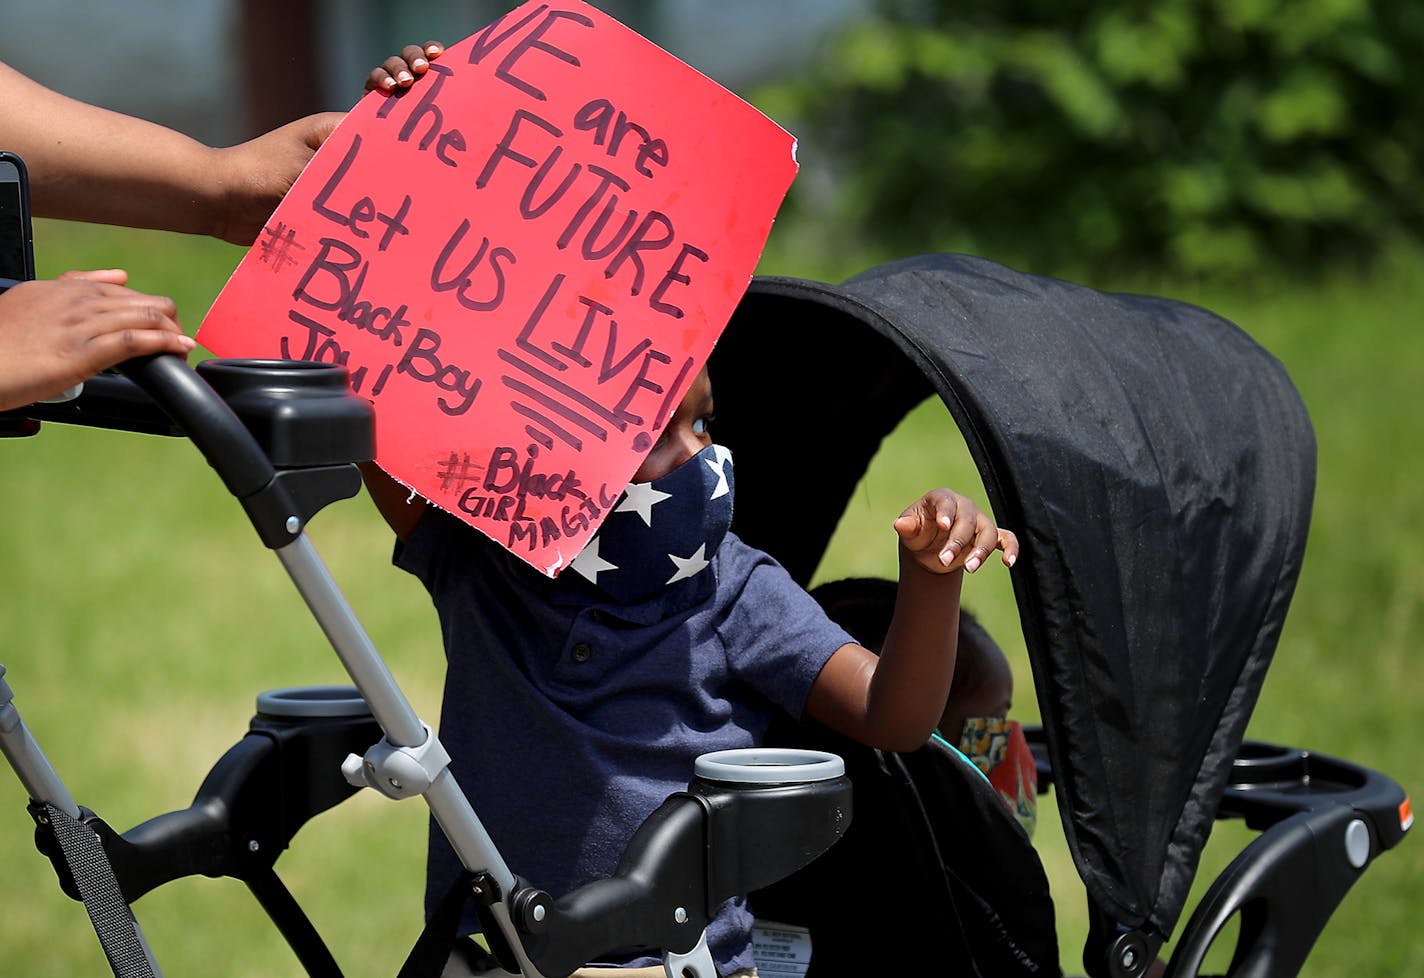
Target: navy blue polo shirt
570, 718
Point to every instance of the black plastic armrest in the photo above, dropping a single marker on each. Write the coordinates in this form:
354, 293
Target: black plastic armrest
698, 849
1324, 821
251, 804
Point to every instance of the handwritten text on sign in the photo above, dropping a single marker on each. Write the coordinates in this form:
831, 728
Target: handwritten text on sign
523, 261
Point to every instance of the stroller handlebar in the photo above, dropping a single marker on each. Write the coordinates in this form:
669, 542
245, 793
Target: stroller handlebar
280, 434
206, 418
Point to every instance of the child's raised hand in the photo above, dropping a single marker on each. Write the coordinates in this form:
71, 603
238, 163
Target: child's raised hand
943, 531
401, 70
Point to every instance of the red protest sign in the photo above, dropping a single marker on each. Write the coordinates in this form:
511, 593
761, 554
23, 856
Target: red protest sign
523, 261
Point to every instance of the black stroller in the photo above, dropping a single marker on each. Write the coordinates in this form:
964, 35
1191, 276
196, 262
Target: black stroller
1158, 467
1087, 415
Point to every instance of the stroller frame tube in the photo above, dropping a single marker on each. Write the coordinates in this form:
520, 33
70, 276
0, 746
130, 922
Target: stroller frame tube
448, 803
354, 647
390, 707
245, 469
33, 768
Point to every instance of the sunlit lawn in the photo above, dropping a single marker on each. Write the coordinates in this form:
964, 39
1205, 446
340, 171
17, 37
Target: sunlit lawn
141, 618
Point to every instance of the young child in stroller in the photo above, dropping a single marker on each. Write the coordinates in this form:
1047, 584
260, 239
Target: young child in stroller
610, 679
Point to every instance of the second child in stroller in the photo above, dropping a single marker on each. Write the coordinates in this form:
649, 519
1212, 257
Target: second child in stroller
668, 637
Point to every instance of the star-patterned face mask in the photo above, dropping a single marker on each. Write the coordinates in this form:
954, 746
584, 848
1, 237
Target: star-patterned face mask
662, 532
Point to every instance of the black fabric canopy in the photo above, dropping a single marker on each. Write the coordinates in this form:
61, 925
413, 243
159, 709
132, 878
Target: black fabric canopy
1156, 463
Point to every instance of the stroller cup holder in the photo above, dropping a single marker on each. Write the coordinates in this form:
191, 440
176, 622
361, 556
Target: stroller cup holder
299, 703
761, 766
1261, 768
281, 434
308, 429
301, 413
748, 818
774, 811
1270, 783
1322, 822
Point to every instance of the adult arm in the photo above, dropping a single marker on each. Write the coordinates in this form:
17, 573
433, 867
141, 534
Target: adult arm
91, 164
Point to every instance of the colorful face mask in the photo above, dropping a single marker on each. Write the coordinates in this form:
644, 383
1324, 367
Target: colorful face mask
998, 747
664, 532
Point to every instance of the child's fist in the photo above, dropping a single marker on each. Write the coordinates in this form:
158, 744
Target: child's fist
943, 531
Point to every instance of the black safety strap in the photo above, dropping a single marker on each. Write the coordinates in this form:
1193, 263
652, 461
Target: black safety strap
439, 940
432, 949
113, 921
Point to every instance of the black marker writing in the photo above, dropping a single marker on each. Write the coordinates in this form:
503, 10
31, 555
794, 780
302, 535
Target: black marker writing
599, 223
457, 471
463, 280
446, 141
422, 363
275, 246
491, 38
362, 211
610, 126
331, 270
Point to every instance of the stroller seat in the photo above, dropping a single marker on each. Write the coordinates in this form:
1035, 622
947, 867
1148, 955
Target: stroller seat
933, 850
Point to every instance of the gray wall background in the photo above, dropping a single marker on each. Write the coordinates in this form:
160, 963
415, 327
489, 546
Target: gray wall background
181, 62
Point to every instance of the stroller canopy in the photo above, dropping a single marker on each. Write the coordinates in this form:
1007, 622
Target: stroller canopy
1156, 464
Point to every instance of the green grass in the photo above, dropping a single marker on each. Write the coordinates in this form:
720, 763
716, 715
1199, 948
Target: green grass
141, 618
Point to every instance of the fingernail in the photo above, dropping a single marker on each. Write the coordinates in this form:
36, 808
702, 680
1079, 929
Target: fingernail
1011, 559
972, 564
432, 49
404, 77
388, 83
418, 63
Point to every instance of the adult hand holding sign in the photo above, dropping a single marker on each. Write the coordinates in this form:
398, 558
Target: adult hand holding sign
523, 261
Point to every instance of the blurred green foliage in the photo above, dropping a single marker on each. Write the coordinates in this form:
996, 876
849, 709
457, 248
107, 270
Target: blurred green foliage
1198, 137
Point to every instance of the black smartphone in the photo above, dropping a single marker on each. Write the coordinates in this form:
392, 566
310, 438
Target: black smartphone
17, 254
17, 257
17, 244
